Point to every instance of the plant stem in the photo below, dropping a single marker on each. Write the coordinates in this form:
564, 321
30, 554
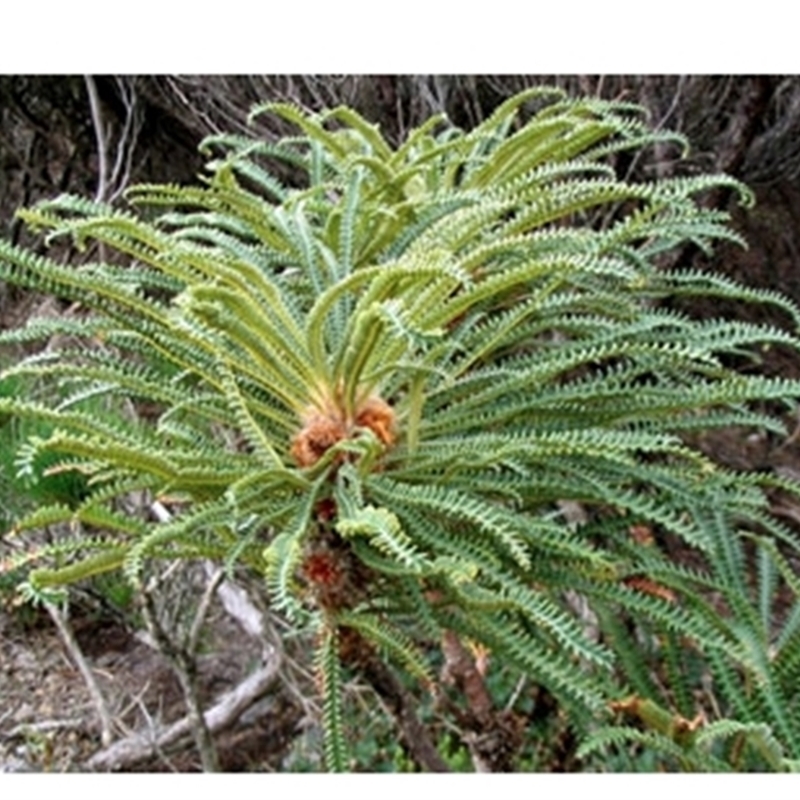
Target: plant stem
415, 736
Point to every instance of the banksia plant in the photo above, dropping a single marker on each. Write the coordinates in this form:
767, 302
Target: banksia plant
382, 377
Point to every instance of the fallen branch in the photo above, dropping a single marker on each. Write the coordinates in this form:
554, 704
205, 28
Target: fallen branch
25, 728
236, 602
137, 748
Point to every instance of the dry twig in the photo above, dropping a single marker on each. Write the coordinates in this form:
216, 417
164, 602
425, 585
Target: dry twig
71, 643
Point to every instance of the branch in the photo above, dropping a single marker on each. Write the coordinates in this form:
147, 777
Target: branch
137, 748
185, 668
100, 136
415, 736
492, 736
193, 637
238, 604
71, 643
460, 669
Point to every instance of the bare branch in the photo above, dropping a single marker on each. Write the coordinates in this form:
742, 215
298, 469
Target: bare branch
126, 146
100, 136
71, 643
185, 669
192, 639
137, 748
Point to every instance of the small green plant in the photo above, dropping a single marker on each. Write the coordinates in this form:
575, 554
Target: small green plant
19, 488
21, 491
382, 382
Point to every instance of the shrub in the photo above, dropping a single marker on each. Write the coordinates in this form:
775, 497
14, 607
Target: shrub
432, 395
